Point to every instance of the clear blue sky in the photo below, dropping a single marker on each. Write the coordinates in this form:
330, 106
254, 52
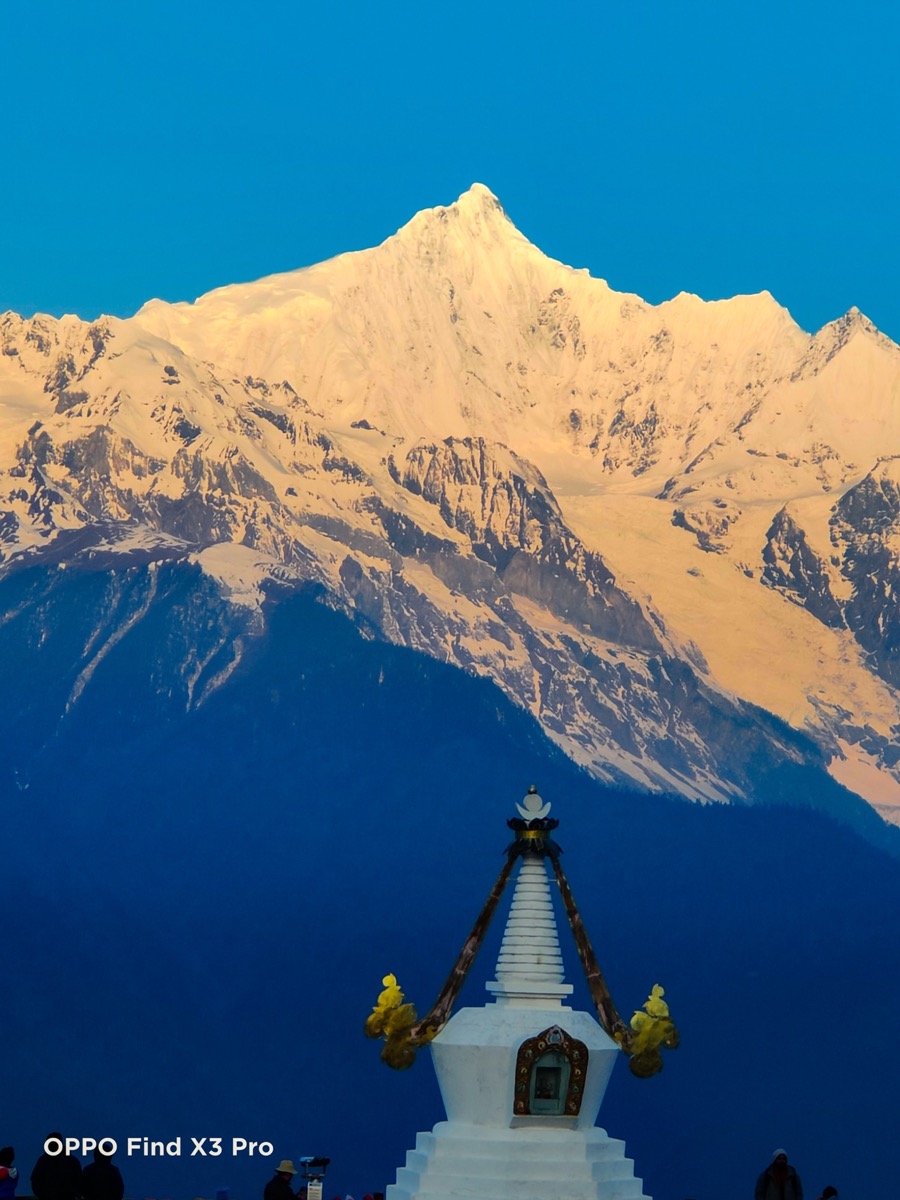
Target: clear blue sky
165, 149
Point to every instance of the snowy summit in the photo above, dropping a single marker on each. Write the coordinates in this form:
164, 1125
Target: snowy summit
654, 527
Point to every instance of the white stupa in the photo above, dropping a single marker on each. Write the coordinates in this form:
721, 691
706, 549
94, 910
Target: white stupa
522, 1078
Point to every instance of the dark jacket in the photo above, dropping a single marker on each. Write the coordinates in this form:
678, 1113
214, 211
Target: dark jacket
56, 1177
278, 1188
768, 1187
102, 1180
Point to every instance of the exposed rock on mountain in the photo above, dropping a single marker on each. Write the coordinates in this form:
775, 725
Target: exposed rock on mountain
793, 567
866, 523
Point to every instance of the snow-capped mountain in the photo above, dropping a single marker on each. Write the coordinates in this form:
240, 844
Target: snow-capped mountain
668, 532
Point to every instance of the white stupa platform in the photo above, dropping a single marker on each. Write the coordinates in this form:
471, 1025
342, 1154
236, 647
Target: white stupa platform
522, 1080
455, 1160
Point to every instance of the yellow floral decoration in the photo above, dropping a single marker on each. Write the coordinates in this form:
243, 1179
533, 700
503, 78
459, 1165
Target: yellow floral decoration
394, 1020
649, 1030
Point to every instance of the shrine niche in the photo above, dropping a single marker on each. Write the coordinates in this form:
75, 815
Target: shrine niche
550, 1074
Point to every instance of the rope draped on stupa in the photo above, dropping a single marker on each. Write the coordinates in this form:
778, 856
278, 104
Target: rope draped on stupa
529, 961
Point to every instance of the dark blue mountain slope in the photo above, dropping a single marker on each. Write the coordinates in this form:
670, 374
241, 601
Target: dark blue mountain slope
200, 904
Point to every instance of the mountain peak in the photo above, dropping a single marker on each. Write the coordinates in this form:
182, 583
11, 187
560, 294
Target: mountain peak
476, 216
854, 319
479, 199
836, 334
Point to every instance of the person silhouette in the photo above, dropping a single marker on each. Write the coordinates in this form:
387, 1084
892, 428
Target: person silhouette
779, 1181
102, 1179
279, 1186
56, 1176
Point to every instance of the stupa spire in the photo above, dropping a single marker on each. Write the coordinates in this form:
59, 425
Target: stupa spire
530, 966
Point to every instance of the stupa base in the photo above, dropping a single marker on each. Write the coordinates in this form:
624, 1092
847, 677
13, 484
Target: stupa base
533, 1162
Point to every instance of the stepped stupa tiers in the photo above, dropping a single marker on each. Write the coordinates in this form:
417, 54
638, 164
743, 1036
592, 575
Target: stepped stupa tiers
522, 1078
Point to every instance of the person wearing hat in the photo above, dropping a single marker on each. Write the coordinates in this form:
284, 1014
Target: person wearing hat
279, 1186
779, 1181
830, 1193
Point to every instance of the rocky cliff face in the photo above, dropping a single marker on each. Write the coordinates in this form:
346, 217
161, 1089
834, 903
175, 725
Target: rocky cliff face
866, 527
792, 566
608, 508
